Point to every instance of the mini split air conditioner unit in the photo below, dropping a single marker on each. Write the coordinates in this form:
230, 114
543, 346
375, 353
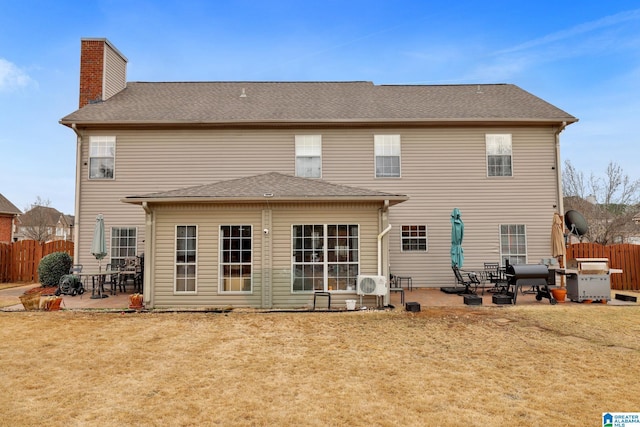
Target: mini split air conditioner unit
372, 285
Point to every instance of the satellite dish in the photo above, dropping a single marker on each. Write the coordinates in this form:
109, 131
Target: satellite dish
576, 223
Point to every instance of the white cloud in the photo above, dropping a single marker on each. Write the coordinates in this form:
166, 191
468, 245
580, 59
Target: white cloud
577, 30
12, 77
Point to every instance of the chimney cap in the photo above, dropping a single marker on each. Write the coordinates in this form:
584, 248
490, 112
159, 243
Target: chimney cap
107, 42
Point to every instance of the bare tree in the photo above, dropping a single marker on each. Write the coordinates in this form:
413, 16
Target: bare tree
39, 221
608, 203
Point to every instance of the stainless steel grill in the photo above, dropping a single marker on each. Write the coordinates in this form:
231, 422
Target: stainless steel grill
588, 279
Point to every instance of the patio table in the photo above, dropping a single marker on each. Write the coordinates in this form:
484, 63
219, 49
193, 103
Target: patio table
97, 281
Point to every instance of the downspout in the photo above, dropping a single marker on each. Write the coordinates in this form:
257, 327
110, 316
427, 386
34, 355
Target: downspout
380, 236
76, 207
558, 169
384, 218
148, 255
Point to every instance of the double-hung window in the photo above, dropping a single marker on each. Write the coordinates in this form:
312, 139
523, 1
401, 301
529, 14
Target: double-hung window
309, 156
325, 257
387, 152
123, 244
102, 153
414, 238
513, 243
186, 258
499, 161
235, 258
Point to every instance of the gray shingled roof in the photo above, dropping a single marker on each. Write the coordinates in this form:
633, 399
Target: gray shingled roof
315, 102
272, 186
38, 215
6, 207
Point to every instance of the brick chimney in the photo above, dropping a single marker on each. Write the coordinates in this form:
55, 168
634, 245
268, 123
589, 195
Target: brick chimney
103, 71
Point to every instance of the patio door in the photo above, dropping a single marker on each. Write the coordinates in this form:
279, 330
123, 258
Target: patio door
325, 257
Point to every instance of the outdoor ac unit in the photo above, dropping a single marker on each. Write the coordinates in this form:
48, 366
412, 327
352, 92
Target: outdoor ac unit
372, 285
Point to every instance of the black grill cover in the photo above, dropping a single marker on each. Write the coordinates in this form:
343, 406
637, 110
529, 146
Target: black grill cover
533, 274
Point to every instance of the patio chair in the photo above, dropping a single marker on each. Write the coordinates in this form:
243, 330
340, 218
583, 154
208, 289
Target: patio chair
394, 286
75, 269
138, 278
112, 280
467, 284
495, 275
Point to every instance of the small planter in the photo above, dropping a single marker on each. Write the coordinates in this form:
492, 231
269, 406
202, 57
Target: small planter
559, 294
30, 301
51, 303
135, 302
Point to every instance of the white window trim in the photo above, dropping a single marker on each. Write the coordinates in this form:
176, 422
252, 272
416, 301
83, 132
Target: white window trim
98, 139
305, 147
111, 238
221, 263
526, 243
384, 139
175, 264
426, 239
325, 262
490, 137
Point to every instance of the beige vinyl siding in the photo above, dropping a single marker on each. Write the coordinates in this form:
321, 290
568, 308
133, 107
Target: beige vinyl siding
442, 168
115, 73
208, 218
286, 215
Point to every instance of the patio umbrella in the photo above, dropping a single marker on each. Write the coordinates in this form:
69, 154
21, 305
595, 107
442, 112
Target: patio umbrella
99, 244
558, 248
457, 233
98, 250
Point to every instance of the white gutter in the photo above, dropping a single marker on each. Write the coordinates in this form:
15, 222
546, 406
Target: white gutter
559, 170
76, 207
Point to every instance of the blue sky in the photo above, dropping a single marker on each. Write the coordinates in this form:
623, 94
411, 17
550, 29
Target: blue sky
583, 57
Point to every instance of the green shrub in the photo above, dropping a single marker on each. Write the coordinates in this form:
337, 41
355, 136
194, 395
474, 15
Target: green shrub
52, 267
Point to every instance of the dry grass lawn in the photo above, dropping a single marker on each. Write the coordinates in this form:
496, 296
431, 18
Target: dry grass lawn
520, 366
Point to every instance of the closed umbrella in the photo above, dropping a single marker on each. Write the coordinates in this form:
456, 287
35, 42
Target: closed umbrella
558, 248
457, 233
99, 249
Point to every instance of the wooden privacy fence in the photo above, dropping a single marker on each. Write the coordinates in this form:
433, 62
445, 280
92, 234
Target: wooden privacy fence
19, 260
624, 256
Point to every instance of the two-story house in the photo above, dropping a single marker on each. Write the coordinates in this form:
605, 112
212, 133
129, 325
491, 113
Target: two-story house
44, 224
8, 213
260, 193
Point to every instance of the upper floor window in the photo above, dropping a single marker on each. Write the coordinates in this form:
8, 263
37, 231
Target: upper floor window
102, 153
235, 258
499, 155
387, 152
414, 238
309, 156
513, 243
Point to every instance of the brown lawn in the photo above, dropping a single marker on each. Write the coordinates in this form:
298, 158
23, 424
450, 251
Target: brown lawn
521, 366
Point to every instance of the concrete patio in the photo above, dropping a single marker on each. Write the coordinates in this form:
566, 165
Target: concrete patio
426, 297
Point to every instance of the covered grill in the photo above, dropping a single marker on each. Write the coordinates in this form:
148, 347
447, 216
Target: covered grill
588, 279
534, 275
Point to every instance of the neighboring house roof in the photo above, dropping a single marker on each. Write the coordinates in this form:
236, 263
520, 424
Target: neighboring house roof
40, 215
243, 103
69, 219
8, 208
271, 186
